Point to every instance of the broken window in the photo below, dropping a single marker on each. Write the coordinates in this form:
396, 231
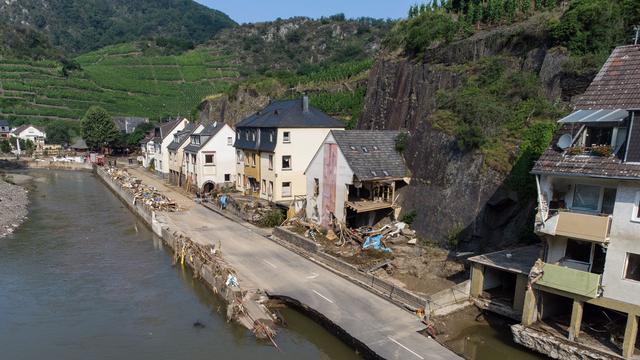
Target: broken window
632, 272
578, 251
286, 162
586, 198
286, 189
316, 187
208, 159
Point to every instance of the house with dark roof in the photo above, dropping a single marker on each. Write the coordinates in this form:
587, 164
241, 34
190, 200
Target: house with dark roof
209, 159
177, 174
5, 129
354, 176
155, 145
274, 147
588, 216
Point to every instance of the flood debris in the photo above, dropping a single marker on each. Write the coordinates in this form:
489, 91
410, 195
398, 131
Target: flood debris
147, 195
13, 207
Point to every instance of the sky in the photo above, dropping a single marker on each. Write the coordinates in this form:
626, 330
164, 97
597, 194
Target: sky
246, 11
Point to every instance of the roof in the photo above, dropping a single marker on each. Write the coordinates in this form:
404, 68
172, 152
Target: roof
209, 131
183, 135
371, 154
22, 128
4, 122
554, 161
519, 260
617, 85
80, 144
290, 114
595, 116
166, 128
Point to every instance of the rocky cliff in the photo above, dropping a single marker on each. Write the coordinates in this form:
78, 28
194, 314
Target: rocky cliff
460, 201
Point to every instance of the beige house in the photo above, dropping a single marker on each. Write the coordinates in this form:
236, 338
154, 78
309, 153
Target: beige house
177, 170
274, 148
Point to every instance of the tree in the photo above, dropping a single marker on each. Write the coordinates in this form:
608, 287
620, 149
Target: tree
5, 146
98, 128
141, 130
58, 133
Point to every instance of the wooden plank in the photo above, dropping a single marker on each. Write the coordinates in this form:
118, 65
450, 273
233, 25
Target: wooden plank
576, 319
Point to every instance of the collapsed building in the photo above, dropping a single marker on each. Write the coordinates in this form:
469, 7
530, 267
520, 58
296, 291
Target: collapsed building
577, 295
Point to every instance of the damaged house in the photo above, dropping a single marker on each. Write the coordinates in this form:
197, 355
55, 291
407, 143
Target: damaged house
578, 295
354, 177
177, 170
154, 147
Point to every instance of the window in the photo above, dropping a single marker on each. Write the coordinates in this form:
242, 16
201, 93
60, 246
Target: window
238, 135
253, 160
632, 272
578, 251
196, 140
286, 162
636, 209
271, 137
246, 135
230, 140
364, 149
598, 136
586, 198
208, 159
264, 186
316, 187
253, 136
238, 157
270, 162
227, 177
608, 201
270, 188
286, 189
286, 137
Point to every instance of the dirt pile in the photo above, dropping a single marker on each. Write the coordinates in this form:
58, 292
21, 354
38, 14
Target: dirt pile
13, 207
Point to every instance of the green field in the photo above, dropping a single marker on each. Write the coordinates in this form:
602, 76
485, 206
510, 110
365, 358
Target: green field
119, 78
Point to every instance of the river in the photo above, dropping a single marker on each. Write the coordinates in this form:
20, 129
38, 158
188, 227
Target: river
83, 278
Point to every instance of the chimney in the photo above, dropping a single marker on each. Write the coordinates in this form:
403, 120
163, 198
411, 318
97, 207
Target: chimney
305, 103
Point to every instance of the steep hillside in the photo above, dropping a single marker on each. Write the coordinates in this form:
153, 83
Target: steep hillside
480, 91
83, 25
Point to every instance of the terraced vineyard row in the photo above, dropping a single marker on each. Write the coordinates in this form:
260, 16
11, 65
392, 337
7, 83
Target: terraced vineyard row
118, 78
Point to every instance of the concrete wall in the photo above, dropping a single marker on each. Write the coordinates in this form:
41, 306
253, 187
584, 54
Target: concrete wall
625, 238
344, 178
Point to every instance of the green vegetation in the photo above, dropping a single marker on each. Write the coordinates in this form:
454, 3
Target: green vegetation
58, 133
273, 218
409, 217
98, 128
80, 25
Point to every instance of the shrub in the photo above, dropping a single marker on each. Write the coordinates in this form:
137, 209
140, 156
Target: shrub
409, 217
402, 140
273, 218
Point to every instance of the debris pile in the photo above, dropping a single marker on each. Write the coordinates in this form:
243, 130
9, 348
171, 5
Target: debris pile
13, 207
148, 195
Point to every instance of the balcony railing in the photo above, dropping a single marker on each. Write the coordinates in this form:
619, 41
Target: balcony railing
570, 280
581, 226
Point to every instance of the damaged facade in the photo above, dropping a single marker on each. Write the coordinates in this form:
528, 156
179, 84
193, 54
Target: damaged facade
353, 178
581, 288
274, 147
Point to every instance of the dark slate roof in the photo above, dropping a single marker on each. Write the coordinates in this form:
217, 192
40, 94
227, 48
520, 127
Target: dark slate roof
289, 114
373, 163
166, 128
183, 135
617, 85
554, 161
4, 122
22, 128
266, 139
206, 134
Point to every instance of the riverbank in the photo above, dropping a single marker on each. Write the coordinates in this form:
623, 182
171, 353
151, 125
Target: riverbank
13, 207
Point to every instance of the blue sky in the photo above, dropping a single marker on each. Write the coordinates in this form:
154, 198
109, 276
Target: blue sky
244, 11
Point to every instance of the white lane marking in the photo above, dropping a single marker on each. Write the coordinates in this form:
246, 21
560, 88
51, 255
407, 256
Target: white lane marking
322, 296
270, 264
406, 348
313, 276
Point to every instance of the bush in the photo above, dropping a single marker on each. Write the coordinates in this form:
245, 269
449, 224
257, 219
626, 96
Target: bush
409, 217
273, 218
402, 140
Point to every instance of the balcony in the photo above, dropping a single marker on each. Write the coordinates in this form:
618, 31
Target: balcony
570, 280
581, 226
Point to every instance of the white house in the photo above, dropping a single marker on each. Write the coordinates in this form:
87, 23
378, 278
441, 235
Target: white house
209, 158
155, 147
181, 139
30, 132
353, 178
274, 147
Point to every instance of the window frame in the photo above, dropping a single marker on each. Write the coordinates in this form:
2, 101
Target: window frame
286, 137
270, 161
213, 159
290, 163
227, 177
635, 215
290, 189
600, 198
229, 140
626, 267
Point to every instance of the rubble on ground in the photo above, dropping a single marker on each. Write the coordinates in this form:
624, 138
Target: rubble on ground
148, 195
13, 207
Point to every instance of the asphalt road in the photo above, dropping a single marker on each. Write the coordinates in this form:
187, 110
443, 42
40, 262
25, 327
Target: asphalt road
386, 329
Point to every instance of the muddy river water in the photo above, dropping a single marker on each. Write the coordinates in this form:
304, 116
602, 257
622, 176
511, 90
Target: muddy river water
84, 279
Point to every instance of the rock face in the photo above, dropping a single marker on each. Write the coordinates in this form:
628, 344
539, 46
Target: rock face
452, 190
230, 111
